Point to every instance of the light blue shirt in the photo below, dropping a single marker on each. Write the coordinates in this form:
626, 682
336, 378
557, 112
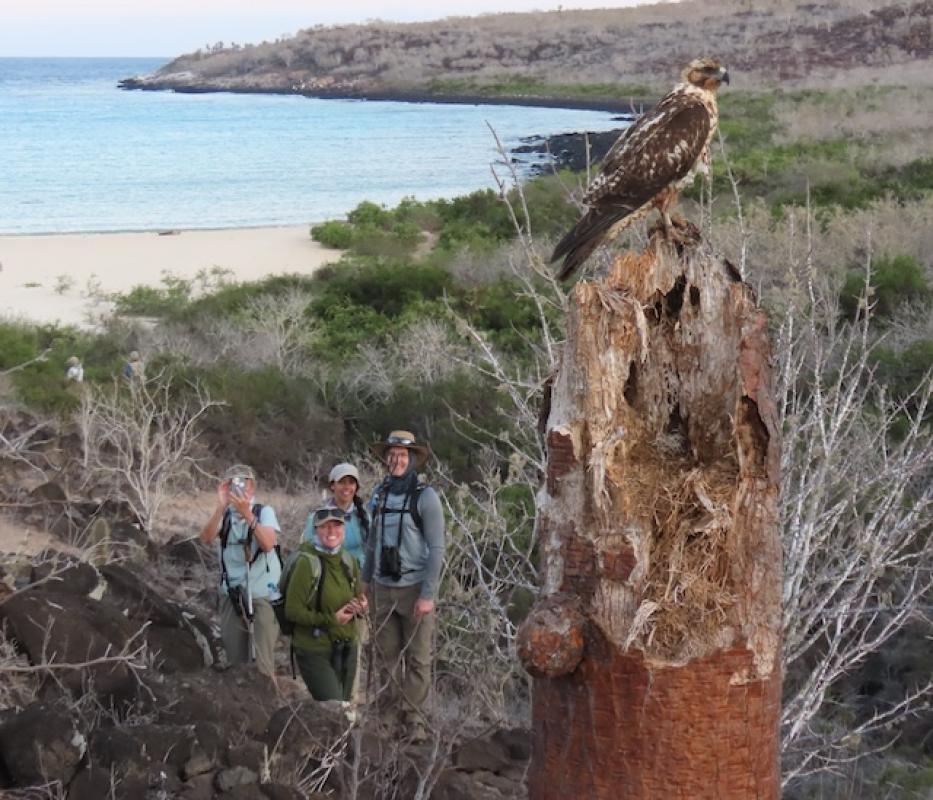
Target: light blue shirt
353, 541
265, 571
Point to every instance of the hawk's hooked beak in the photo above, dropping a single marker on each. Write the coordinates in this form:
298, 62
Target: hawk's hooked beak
723, 75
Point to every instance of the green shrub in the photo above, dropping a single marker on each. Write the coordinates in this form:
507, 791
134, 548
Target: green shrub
369, 241
152, 301
18, 344
41, 385
427, 408
501, 310
903, 372
232, 298
368, 214
270, 420
388, 287
894, 280
335, 234
479, 217
552, 214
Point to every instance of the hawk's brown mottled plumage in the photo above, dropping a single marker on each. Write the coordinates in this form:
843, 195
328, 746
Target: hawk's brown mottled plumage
656, 157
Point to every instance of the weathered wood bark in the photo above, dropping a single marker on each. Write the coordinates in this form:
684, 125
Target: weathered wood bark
656, 644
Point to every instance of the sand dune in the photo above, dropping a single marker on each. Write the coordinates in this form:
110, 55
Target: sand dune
63, 277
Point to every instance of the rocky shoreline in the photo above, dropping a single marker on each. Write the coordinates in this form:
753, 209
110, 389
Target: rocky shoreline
574, 151
184, 84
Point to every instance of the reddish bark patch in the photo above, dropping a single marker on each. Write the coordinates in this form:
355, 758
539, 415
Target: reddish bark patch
550, 640
561, 458
617, 728
618, 564
579, 557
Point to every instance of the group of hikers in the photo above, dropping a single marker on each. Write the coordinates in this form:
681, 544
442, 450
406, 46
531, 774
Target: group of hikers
134, 370
378, 561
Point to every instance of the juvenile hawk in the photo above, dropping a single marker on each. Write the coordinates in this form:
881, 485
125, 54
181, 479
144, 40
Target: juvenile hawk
650, 163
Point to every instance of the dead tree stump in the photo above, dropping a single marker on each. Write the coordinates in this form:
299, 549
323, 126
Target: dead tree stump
656, 644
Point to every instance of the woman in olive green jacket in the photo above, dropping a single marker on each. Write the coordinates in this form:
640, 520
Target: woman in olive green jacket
324, 601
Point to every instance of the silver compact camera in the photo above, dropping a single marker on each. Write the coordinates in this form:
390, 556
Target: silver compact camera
238, 486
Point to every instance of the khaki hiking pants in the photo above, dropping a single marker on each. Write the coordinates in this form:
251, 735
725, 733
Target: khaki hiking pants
235, 635
403, 650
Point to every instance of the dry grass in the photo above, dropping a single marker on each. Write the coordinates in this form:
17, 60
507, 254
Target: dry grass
844, 239
24, 540
688, 587
902, 111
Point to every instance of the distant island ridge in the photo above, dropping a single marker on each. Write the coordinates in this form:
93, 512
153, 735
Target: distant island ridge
604, 59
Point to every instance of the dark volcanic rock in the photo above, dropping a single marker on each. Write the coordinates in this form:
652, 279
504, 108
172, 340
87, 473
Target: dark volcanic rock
565, 151
91, 783
200, 787
481, 754
52, 627
186, 552
64, 574
179, 645
228, 779
41, 744
143, 745
278, 791
516, 741
237, 699
305, 727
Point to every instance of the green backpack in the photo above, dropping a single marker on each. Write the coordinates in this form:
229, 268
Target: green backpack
350, 567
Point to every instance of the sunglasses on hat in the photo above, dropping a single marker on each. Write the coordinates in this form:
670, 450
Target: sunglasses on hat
323, 514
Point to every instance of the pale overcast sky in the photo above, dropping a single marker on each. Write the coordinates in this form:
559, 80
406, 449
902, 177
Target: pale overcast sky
171, 27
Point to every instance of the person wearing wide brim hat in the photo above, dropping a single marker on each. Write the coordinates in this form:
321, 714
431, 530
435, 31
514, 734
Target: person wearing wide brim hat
403, 564
404, 439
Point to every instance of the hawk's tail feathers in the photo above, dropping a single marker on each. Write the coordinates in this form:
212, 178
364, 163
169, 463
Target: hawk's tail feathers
588, 234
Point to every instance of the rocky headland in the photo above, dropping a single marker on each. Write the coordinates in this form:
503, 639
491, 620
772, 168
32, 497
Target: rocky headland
594, 59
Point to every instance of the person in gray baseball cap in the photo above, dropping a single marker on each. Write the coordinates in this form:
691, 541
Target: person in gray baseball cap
246, 533
344, 484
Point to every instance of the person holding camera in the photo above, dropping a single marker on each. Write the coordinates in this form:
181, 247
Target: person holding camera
246, 533
403, 564
323, 600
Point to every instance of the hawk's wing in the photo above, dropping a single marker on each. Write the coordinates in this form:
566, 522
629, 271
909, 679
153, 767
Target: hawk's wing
658, 150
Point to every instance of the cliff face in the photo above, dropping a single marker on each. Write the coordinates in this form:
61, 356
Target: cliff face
792, 43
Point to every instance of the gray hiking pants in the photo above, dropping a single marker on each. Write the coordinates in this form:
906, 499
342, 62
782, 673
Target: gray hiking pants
235, 636
403, 650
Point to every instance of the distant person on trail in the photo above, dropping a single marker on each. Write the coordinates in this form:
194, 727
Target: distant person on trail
403, 564
135, 368
324, 599
75, 371
246, 532
344, 482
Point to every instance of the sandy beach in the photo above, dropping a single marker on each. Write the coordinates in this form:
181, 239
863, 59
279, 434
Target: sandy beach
61, 278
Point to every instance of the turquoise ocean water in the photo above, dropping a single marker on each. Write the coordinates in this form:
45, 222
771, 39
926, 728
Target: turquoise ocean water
78, 154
